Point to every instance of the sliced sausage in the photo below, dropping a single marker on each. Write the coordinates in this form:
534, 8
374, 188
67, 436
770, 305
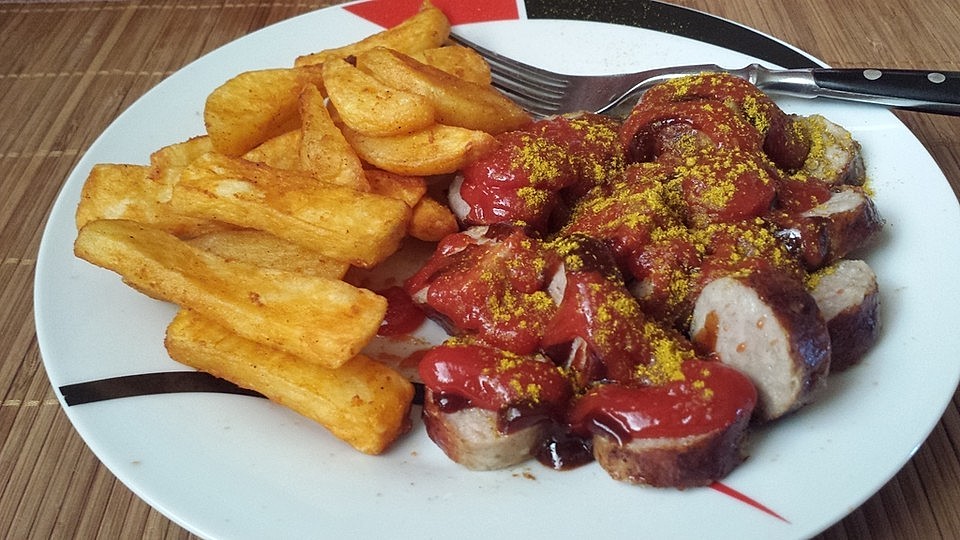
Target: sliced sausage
835, 156
489, 408
471, 436
489, 283
685, 433
695, 460
830, 231
769, 327
849, 299
532, 171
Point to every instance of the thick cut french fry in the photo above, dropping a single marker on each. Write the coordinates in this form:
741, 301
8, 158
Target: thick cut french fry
456, 60
256, 250
255, 106
341, 223
458, 102
371, 107
280, 152
363, 402
268, 251
119, 191
427, 29
438, 149
432, 221
167, 162
324, 152
409, 189
324, 321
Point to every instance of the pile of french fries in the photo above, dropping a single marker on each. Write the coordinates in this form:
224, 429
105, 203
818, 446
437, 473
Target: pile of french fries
303, 172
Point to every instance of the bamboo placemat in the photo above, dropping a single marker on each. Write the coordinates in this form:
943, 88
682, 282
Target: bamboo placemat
67, 69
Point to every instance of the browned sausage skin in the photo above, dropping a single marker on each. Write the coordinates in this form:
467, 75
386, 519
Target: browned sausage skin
835, 156
472, 437
769, 327
849, 299
683, 433
722, 111
840, 226
488, 408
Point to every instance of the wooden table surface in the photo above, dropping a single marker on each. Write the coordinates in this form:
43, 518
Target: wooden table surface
67, 69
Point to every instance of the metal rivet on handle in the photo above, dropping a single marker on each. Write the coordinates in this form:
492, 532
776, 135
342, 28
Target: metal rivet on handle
872, 74
936, 78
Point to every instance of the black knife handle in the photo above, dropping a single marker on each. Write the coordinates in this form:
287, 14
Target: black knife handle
929, 91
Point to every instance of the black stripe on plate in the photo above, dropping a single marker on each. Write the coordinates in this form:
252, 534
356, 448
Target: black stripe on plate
167, 382
671, 19
145, 384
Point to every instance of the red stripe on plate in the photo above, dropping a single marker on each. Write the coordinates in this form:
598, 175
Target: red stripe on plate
389, 13
729, 491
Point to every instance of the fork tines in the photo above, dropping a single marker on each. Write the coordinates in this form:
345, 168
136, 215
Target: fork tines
532, 88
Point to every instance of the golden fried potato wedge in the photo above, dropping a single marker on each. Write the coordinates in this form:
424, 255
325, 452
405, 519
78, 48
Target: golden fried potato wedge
363, 402
268, 251
255, 106
462, 62
439, 149
324, 321
427, 29
409, 189
121, 191
371, 107
458, 102
339, 222
117, 191
167, 162
324, 152
280, 152
432, 221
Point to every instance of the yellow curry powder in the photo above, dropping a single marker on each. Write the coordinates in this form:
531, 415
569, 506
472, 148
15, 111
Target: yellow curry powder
668, 356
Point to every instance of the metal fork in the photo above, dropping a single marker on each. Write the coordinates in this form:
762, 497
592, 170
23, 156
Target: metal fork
545, 93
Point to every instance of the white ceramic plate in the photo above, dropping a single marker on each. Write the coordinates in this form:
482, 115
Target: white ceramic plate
229, 466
